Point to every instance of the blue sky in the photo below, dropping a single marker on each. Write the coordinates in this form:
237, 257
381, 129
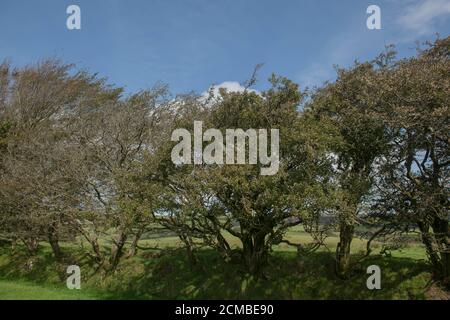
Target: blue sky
191, 44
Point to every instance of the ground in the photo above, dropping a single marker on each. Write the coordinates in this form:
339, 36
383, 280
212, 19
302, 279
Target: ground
168, 275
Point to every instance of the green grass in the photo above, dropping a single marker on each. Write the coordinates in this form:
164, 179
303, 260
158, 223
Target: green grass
20, 290
152, 275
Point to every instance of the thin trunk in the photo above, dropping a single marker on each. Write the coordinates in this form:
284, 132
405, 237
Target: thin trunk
92, 239
192, 259
13, 245
117, 250
441, 233
53, 239
223, 246
191, 256
343, 249
32, 245
133, 248
98, 257
428, 240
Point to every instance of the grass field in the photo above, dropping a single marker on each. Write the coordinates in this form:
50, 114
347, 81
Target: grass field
152, 275
19, 290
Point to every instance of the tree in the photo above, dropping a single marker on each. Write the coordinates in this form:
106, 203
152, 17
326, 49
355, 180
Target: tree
348, 105
38, 183
113, 140
415, 176
209, 203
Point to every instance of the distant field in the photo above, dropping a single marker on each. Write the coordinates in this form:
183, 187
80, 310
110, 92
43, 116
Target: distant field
150, 275
297, 235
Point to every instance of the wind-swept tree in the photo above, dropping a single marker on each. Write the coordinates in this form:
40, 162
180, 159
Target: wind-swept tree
113, 141
415, 177
348, 106
210, 203
38, 183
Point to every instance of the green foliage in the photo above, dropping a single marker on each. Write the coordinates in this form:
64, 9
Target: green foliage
80, 163
204, 201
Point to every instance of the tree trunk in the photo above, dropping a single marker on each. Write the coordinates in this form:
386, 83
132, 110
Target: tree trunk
255, 253
98, 257
441, 233
32, 245
133, 247
117, 250
53, 239
13, 245
92, 239
223, 247
192, 259
427, 239
191, 256
343, 249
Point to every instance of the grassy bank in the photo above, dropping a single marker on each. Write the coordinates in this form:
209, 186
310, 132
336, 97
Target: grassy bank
168, 275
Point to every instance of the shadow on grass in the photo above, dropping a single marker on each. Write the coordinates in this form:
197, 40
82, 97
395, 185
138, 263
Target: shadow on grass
288, 277
170, 276
41, 273
40, 269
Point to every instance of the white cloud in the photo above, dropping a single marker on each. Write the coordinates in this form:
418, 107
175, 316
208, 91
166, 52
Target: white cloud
230, 86
420, 16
